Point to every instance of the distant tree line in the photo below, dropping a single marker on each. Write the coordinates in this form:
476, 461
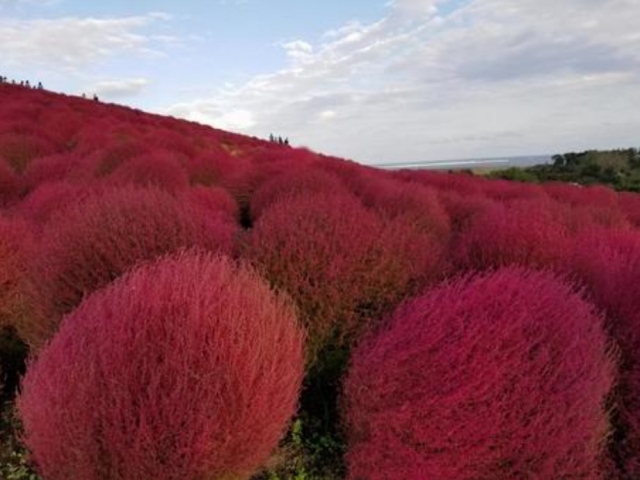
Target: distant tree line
620, 169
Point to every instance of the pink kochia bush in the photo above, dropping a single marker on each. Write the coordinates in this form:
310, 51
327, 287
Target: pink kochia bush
10, 184
502, 376
90, 245
187, 368
522, 232
608, 263
15, 245
342, 264
155, 169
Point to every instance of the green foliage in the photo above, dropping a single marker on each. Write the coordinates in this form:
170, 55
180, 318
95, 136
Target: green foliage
308, 452
619, 169
14, 462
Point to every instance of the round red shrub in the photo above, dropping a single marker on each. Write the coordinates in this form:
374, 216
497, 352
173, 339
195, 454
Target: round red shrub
16, 244
60, 167
292, 183
10, 184
53, 198
88, 246
157, 169
502, 376
211, 167
213, 201
523, 232
19, 149
582, 208
630, 204
410, 202
187, 368
608, 263
342, 265
506, 190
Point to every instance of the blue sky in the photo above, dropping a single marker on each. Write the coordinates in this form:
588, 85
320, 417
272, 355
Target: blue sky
375, 81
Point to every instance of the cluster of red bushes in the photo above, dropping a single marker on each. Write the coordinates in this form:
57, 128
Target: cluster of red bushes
174, 281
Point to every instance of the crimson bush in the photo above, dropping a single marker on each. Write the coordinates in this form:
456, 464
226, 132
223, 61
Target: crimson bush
187, 368
502, 376
523, 232
292, 183
15, 247
212, 200
53, 198
608, 263
630, 205
343, 265
19, 149
153, 169
409, 202
10, 184
60, 167
88, 246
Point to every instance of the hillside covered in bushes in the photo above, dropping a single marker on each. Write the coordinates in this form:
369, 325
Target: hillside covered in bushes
183, 303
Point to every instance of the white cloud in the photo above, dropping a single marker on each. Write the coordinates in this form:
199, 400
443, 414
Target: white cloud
117, 89
72, 43
443, 79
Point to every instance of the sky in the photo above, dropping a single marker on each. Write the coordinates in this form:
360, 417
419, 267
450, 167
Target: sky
379, 82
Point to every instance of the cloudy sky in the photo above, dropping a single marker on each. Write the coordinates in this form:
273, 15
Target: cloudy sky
376, 81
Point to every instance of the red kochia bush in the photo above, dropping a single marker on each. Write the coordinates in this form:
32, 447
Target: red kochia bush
292, 183
343, 266
53, 198
155, 169
212, 201
90, 245
188, 368
409, 202
10, 184
630, 204
608, 262
15, 245
61, 167
19, 149
587, 207
502, 376
523, 232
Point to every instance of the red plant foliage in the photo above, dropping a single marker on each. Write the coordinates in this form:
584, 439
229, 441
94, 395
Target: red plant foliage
11, 184
608, 263
153, 169
212, 167
521, 232
587, 207
462, 209
451, 182
53, 198
505, 191
88, 246
502, 376
19, 149
291, 183
188, 368
342, 265
212, 201
630, 204
61, 167
409, 202
16, 245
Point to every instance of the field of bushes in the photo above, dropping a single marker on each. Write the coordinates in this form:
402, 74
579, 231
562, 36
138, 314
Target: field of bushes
182, 303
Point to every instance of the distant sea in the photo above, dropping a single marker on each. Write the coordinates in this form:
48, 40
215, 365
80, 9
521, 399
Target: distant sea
471, 163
